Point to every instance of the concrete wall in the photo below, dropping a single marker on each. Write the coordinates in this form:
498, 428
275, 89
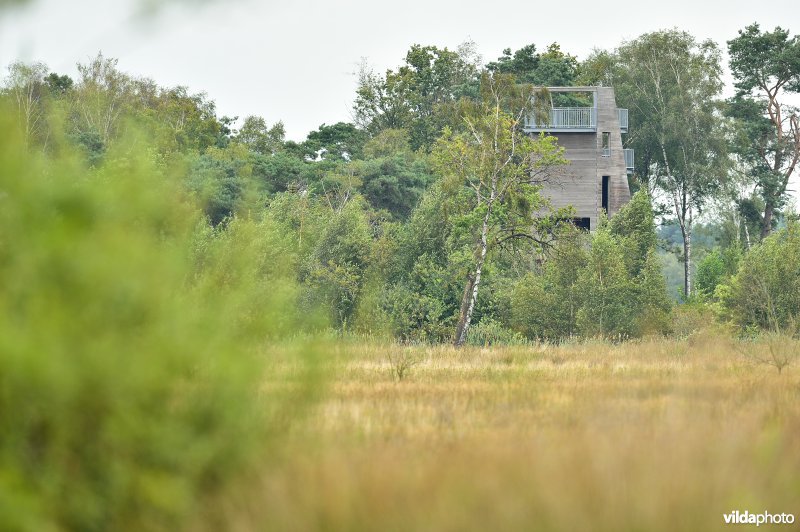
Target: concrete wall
581, 182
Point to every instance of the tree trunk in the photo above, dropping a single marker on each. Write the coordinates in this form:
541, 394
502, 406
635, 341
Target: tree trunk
747, 236
687, 265
686, 229
471, 292
462, 315
766, 224
683, 211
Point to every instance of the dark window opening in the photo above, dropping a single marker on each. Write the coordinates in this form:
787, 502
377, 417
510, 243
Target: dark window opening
604, 203
582, 223
606, 144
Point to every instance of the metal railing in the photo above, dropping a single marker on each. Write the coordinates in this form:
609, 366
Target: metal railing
575, 118
567, 118
628, 159
623, 119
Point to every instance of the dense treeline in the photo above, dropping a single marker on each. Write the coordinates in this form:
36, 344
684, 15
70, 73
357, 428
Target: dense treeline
386, 235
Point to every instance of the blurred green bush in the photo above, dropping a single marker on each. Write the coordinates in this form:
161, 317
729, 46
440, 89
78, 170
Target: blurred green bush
132, 338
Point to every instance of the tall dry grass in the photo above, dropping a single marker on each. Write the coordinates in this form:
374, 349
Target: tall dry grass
650, 435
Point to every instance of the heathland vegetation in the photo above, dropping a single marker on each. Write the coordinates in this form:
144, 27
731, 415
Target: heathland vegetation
207, 326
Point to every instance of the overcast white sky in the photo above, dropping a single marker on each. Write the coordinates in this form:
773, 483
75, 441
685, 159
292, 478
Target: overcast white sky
295, 61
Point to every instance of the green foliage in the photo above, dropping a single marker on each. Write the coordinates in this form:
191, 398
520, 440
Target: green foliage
671, 82
59, 85
552, 68
131, 336
546, 306
614, 289
103, 94
597, 68
182, 122
652, 300
634, 228
370, 239
494, 170
219, 179
96, 110
488, 332
92, 146
387, 143
260, 138
250, 266
27, 89
766, 68
741, 220
339, 142
753, 137
710, 272
420, 96
421, 270
716, 268
303, 219
765, 293
690, 319
416, 316
335, 272
273, 174
394, 184
607, 293
762, 59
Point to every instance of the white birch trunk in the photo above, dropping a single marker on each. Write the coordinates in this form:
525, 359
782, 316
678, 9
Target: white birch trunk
467, 319
687, 250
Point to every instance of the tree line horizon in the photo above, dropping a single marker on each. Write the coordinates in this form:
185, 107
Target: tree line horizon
423, 217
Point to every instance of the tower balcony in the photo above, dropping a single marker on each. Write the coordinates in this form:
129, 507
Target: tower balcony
572, 120
628, 160
623, 120
564, 119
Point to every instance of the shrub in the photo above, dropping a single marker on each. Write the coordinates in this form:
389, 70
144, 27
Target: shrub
414, 316
765, 293
613, 289
401, 360
691, 318
491, 332
130, 340
779, 349
715, 269
608, 306
546, 305
654, 305
633, 227
334, 274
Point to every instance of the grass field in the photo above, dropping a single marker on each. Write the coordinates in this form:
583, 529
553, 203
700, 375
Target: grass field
651, 435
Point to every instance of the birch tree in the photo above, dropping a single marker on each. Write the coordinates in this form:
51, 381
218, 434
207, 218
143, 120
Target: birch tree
498, 170
102, 94
26, 86
671, 83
